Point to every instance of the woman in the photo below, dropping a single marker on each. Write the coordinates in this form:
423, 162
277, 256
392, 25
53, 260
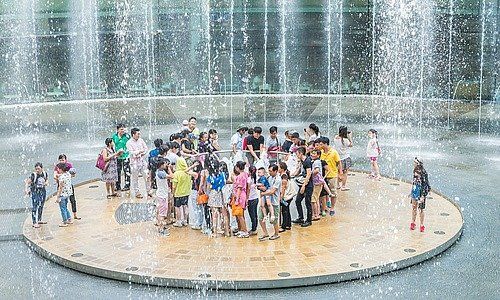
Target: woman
239, 199
342, 142
110, 174
311, 133
64, 191
214, 140
288, 190
253, 199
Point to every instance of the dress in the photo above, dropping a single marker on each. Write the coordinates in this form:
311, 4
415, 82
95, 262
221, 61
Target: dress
111, 173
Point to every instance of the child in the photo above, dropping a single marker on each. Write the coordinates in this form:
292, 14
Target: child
36, 187
373, 151
263, 185
318, 183
163, 174
64, 191
152, 163
181, 188
419, 191
216, 180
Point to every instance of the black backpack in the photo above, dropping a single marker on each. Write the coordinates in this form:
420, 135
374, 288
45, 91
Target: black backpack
34, 179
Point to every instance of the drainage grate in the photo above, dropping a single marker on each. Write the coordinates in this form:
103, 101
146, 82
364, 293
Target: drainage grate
129, 213
132, 269
77, 255
410, 250
444, 214
93, 186
355, 265
440, 232
284, 274
204, 275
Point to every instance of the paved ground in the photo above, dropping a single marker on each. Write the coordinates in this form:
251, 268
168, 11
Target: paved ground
112, 237
462, 166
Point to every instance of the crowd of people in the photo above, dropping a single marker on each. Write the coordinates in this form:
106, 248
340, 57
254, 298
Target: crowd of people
193, 182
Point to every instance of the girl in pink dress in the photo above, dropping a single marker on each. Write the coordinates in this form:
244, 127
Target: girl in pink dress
240, 198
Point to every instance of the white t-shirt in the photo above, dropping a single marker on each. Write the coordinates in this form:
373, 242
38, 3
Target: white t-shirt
342, 149
237, 140
65, 180
161, 184
172, 158
371, 148
275, 182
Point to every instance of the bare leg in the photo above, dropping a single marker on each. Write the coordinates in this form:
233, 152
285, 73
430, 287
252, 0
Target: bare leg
421, 217
414, 211
225, 214
264, 229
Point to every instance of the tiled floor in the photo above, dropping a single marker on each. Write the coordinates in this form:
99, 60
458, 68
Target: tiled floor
370, 229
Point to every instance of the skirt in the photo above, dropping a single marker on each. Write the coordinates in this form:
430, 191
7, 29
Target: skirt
215, 199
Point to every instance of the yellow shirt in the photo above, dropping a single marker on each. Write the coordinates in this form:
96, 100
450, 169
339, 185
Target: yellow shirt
331, 158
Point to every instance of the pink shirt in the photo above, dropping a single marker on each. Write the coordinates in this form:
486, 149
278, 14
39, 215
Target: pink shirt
135, 147
241, 182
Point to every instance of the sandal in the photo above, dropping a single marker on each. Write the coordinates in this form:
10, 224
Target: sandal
274, 237
344, 188
63, 225
114, 195
263, 238
108, 196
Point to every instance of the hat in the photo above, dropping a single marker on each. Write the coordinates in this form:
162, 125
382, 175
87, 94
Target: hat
242, 127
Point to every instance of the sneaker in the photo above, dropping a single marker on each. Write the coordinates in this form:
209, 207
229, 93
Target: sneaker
422, 228
332, 213
194, 227
253, 232
184, 223
412, 226
177, 224
272, 219
243, 235
323, 214
298, 221
36, 225
126, 189
306, 224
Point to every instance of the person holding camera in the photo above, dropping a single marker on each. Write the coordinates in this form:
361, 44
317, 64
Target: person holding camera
36, 187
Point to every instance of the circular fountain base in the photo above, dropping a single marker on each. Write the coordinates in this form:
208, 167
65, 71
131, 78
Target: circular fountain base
369, 235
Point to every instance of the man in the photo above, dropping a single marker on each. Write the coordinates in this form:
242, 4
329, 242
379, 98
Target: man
272, 144
274, 193
120, 138
306, 189
237, 139
138, 150
332, 159
288, 142
255, 142
194, 131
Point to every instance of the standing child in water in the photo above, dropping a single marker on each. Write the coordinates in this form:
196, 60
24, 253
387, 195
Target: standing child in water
419, 191
373, 152
162, 175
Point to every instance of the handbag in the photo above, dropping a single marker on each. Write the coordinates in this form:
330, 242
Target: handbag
202, 199
100, 163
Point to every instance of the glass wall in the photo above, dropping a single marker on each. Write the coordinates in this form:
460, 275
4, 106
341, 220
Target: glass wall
58, 50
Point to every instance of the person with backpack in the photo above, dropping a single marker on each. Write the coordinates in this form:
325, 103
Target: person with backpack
110, 172
36, 187
152, 164
419, 191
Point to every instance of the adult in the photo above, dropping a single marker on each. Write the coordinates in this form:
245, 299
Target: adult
36, 187
63, 159
110, 174
64, 191
311, 133
342, 143
255, 142
253, 199
192, 122
272, 144
120, 139
274, 192
288, 192
188, 148
137, 149
306, 189
237, 139
214, 140
240, 198
288, 142
332, 159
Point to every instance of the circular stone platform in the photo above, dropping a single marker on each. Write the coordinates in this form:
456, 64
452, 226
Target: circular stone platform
369, 235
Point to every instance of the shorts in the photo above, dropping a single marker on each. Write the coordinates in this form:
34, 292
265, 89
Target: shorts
373, 158
323, 193
180, 201
316, 193
237, 210
276, 209
346, 164
420, 205
162, 206
332, 184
